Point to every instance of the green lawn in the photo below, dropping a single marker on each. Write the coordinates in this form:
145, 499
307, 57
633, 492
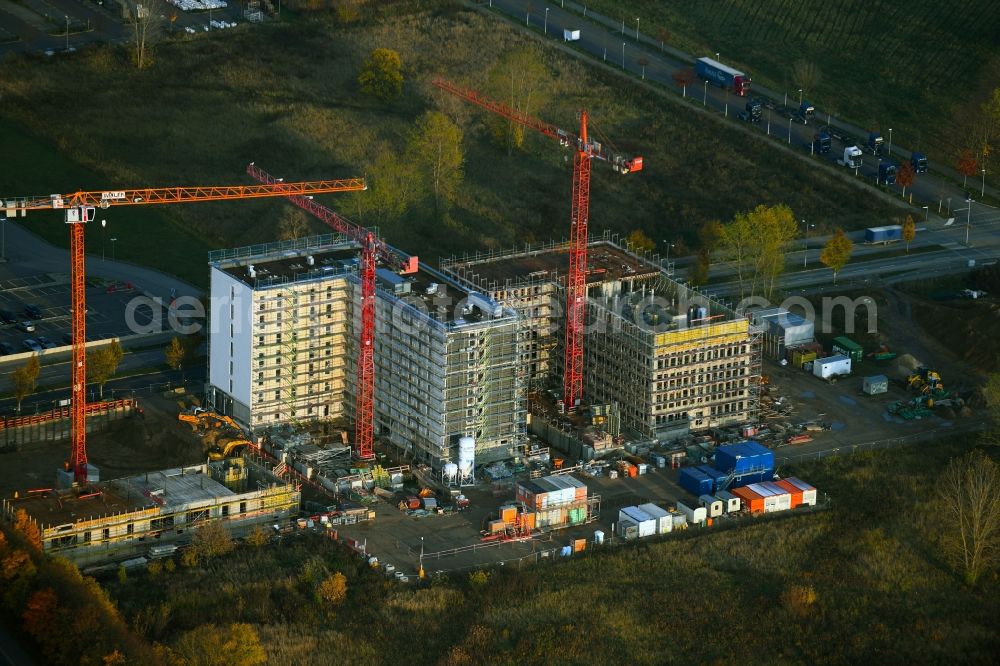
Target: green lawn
922, 67
285, 96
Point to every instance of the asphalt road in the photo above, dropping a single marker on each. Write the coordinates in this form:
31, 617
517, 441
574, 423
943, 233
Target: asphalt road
644, 56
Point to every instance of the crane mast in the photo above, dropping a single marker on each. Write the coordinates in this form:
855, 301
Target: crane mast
373, 250
585, 150
79, 209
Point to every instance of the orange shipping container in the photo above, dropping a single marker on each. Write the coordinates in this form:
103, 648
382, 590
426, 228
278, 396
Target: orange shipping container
579, 545
751, 500
792, 490
508, 514
496, 526
633, 471
528, 520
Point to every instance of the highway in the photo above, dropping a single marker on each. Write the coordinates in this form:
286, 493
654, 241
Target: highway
621, 49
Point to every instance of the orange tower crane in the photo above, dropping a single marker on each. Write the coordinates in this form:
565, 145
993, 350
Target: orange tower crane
585, 149
373, 250
79, 208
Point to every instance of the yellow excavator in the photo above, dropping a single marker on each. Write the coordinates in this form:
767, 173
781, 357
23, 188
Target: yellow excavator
223, 437
925, 380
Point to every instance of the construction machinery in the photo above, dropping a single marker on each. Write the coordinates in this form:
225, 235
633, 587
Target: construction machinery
80, 207
585, 150
373, 251
222, 436
925, 380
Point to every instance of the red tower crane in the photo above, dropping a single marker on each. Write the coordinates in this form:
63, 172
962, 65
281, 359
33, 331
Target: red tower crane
585, 149
79, 208
373, 250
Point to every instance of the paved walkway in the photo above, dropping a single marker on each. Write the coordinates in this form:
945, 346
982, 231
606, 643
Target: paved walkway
29, 254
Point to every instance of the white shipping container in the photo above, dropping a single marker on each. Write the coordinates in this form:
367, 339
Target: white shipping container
642, 520
627, 529
680, 520
808, 492
571, 35
664, 521
824, 368
730, 502
712, 504
693, 514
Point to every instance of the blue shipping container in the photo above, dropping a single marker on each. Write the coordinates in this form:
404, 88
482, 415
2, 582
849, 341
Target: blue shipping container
743, 457
694, 481
716, 475
753, 477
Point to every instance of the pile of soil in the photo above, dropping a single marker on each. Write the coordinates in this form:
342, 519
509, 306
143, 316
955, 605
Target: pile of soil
970, 329
904, 366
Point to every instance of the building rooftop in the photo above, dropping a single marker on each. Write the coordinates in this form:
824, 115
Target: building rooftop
293, 265
173, 487
52, 508
605, 261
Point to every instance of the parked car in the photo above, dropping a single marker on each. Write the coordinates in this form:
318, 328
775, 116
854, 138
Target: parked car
27, 326
7, 316
32, 345
6, 348
45, 342
32, 311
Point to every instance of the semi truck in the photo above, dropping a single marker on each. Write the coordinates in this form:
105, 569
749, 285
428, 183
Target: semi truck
919, 162
753, 112
887, 173
821, 143
852, 158
723, 76
885, 235
875, 143
805, 113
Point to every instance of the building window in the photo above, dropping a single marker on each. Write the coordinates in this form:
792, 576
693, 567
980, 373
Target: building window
86, 537
243, 507
106, 534
130, 528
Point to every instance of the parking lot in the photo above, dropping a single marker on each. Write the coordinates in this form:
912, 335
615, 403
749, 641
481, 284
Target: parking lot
50, 293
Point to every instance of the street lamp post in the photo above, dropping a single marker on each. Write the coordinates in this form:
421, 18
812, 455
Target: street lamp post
104, 223
67, 33
637, 28
889, 152
805, 252
704, 99
968, 220
927, 213
113, 240
623, 55
800, 97
3, 238
789, 131
546, 28
982, 192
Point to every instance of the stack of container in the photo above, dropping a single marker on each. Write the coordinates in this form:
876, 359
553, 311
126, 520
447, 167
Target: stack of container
694, 481
783, 495
554, 500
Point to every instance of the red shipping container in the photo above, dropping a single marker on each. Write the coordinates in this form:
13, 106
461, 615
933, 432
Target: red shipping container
751, 500
796, 493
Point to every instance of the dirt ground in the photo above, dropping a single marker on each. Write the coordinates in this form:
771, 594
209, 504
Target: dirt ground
135, 444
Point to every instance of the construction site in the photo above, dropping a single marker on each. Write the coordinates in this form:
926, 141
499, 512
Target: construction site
475, 409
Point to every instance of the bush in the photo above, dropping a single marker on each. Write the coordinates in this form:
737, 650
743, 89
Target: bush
333, 590
382, 75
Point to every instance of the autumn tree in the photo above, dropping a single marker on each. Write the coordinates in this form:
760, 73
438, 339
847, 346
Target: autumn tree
755, 242
909, 232
906, 176
25, 379
663, 35
103, 363
520, 79
837, 252
435, 147
967, 166
237, 644
333, 589
175, 353
638, 240
684, 77
212, 539
382, 75
293, 224
969, 491
40, 615
258, 536
394, 184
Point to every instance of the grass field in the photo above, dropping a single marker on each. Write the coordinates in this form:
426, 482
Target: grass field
285, 96
922, 67
870, 566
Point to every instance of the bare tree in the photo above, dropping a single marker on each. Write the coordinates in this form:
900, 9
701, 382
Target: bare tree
806, 74
969, 489
147, 23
